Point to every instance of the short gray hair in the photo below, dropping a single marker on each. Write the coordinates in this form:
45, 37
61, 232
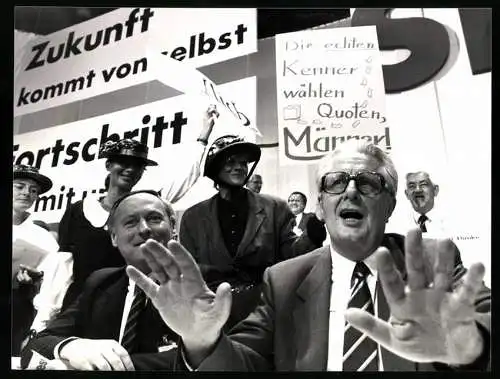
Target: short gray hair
419, 172
387, 168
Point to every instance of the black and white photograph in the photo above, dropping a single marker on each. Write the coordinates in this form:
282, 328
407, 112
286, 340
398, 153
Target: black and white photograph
251, 189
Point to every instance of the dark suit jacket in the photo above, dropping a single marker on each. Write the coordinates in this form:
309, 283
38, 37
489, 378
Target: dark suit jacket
289, 329
268, 239
97, 314
304, 219
313, 236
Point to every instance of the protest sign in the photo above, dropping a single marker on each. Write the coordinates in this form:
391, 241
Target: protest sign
108, 53
329, 89
201, 90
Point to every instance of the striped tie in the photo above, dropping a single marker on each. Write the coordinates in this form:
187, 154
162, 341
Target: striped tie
360, 351
129, 341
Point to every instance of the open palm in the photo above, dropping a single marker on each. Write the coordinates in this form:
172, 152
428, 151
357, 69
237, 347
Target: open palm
182, 297
429, 323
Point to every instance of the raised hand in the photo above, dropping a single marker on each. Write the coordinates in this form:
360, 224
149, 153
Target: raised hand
208, 122
429, 323
182, 297
89, 354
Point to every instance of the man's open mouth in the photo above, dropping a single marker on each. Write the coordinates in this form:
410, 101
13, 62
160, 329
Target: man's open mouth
351, 214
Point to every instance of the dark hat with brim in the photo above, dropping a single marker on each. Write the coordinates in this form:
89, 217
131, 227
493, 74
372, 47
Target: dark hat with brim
226, 146
30, 172
126, 148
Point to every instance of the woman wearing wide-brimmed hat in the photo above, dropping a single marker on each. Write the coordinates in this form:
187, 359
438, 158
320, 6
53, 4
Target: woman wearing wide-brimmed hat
82, 229
34, 256
236, 234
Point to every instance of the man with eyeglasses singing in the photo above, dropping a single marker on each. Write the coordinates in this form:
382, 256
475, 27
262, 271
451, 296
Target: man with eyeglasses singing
370, 301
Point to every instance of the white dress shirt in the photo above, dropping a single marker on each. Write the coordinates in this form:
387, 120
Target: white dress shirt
434, 225
126, 308
342, 270
296, 229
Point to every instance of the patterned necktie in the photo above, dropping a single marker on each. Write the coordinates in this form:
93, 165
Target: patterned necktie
421, 222
360, 351
129, 340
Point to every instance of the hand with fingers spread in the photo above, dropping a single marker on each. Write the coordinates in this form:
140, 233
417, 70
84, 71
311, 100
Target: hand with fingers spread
90, 354
429, 322
182, 297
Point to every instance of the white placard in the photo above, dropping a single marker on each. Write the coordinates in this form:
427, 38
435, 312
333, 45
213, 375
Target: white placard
108, 53
330, 88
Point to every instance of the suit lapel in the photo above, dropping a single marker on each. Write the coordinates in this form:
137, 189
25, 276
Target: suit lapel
256, 216
311, 315
303, 222
108, 308
391, 361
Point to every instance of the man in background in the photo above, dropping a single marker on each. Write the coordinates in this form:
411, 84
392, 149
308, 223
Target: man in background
255, 183
307, 225
421, 192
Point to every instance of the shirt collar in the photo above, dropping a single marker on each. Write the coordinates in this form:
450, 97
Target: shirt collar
340, 264
430, 215
131, 285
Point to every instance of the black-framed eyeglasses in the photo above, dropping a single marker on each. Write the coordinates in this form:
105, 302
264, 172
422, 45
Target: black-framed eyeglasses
367, 182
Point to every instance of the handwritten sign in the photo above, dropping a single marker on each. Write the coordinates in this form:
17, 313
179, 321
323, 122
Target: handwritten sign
330, 89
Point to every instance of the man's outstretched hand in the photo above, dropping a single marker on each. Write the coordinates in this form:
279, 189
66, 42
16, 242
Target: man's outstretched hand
429, 323
182, 297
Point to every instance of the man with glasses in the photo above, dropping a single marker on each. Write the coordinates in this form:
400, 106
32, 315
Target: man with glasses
408, 305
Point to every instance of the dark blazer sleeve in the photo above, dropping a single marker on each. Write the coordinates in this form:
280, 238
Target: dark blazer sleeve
285, 221
249, 346
185, 237
482, 304
190, 239
164, 361
68, 323
64, 231
316, 230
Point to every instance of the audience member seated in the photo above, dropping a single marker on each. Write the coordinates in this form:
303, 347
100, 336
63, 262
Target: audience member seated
111, 325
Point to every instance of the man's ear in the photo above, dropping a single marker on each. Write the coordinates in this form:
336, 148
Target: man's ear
390, 209
407, 194
108, 163
113, 238
436, 190
319, 209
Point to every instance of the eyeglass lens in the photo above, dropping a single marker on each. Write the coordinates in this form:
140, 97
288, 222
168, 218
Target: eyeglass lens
366, 182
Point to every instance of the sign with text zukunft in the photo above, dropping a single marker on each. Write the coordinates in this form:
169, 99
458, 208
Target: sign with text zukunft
330, 89
108, 53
